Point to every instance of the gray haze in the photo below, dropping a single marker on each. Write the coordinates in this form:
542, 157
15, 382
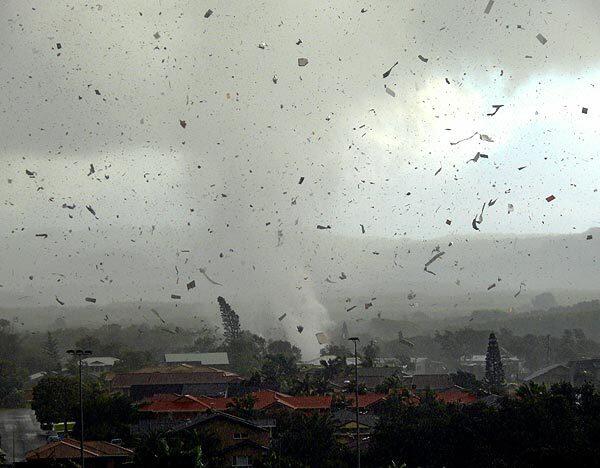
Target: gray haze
220, 191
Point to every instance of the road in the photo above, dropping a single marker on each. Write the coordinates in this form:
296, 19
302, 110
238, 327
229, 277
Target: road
27, 433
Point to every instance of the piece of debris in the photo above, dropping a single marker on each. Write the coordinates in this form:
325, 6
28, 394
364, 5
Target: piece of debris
275, 79
363, 10
262, 45
477, 156
182, 123
301, 180
282, 317
489, 6
208, 13
550, 198
191, 285
362, 228
299, 41
491, 286
158, 315
521, 168
438, 171
520, 289
45, 236
541, 38
589, 237
90, 209
351, 308
387, 73
92, 170
411, 295
300, 328
584, 110
322, 338
329, 281
203, 271
390, 91
343, 276
156, 35
497, 108
485, 138
302, 62
511, 208
90, 299
59, 301
464, 139
320, 226
368, 304
492, 202
423, 59
70, 207
448, 222
31, 174
175, 296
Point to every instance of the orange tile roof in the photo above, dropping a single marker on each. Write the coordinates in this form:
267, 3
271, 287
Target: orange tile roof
456, 395
367, 399
69, 448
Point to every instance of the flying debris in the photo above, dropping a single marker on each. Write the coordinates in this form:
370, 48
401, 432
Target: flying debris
343, 276
496, 109
320, 226
387, 73
208, 13
92, 170
262, 45
203, 271
489, 6
70, 207
484, 137
368, 304
584, 110
281, 317
423, 59
390, 91
541, 38
191, 285
275, 79
550, 198
492, 202
448, 222
520, 289
322, 338
327, 280
182, 123
411, 295
90, 299
477, 156
300, 328
464, 139
302, 62
158, 315
351, 308
45, 236
175, 296
90, 209
362, 228
511, 208
437, 256
491, 286
59, 301
589, 237
301, 180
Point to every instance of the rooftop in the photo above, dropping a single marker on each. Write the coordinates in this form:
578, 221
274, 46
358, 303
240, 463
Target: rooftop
209, 359
69, 448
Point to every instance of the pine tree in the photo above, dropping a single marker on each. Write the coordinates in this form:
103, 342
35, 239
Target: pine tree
231, 321
494, 373
50, 347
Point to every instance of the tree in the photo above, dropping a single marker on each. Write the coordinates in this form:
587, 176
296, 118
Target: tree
133, 360
370, 353
50, 348
11, 384
279, 371
284, 347
55, 399
231, 321
544, 301
158, 450
246, 351
494, 373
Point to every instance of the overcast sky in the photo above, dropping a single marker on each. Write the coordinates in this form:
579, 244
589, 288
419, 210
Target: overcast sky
188, 131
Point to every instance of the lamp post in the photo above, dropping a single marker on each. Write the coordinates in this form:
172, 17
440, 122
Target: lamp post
355, 340
79, 353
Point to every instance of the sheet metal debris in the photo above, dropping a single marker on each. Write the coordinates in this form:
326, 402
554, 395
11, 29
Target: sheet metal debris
541, 38
191, 285
208, 13
550, 198
496, 109
302, 62
387, 73
489, 6
90, 299
281, 317
322, 338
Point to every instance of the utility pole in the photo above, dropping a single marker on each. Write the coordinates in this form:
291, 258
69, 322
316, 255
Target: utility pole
355, 340
79, 353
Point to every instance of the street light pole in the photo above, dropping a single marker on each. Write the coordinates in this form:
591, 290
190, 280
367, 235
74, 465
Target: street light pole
355, 339
79, 353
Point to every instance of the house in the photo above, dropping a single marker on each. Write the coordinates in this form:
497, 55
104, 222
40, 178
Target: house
206, 359
367, 402
455, 395
423, 382
369, 377
167, 410
184, 379
475, 364
241, 442
97, 454
345, 423
99, 365
424, 365
585, 371
549, 375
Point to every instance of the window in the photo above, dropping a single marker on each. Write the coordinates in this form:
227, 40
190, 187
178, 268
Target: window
240, 436
241, 461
